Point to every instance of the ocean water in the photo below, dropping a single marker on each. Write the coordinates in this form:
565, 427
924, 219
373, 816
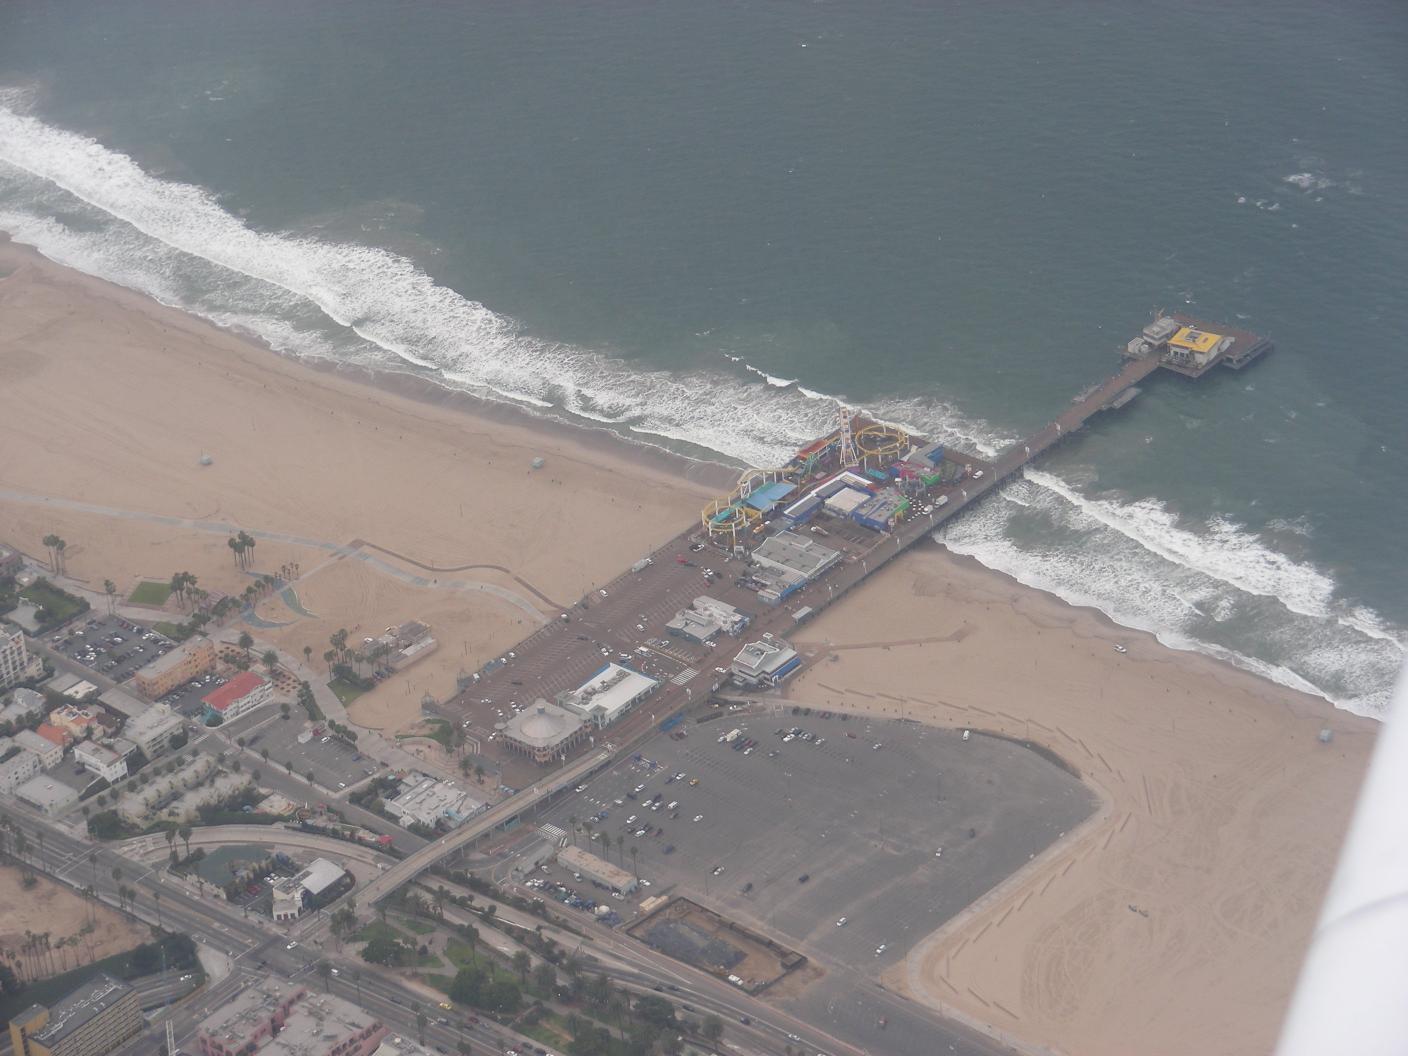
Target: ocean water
699, 225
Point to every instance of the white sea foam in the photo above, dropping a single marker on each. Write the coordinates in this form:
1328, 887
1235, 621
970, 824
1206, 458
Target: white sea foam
1308, 181
175, 243
1135, 564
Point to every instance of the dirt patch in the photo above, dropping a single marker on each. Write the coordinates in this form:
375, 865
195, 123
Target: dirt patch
79, 931
700, 937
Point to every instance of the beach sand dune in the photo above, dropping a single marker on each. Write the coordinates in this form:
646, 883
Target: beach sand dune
1175, 920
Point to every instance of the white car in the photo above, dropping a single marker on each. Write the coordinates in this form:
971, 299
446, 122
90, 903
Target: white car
291, 945
602, 593
880, 949
699, 817
842, 922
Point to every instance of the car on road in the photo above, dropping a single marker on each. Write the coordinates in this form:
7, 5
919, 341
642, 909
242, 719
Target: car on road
880, 949
602, 593
699, 817
291, 945
842, 922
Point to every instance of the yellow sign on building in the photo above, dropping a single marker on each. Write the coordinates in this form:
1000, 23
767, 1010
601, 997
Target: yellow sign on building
1198, 341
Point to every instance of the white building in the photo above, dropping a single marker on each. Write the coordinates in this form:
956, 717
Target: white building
596, 869
48, 795
765, 663
16, 665
153, 730
49, 753
427, 801
16, 770
239, 696
101, 760
608, 694
22, 704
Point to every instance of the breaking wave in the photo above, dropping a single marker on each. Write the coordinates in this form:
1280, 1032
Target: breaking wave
1218, 590
1213, 587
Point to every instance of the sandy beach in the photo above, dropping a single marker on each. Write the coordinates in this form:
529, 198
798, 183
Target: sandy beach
312, 456
1173, 922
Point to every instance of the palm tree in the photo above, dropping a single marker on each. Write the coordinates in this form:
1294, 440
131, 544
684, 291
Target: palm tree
236, 548
521, 963
110, 589
307, 654
357, 982
185, 832
156, 898
635, 853
325, 970
572, 827
270, 660
50, 542
59, 547
330, 658
246, 641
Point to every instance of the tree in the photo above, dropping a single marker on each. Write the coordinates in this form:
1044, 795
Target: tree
521, 963
712, 1029
421, 1020
382, 950
572, 828
59, 547
110, 589
635, 853
185, 832
50, 542
545, 978
246, 641
284, 710
270, 660
325, 970
307, 654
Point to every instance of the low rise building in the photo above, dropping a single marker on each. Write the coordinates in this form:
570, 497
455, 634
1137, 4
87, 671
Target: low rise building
154, 729
46, 748
16, 770
239, 696
786, 562
95, 1019
101, 760
596, 869
543, 732
607, 695
46, 794
16, 663
141, 805
186, 662
75, 720
10, 561
765, 663
431, 802
23, 706
317, 885
122, 702
287, 1020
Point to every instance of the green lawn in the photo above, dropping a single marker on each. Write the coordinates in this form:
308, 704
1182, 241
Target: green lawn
59, 605
344, 691
150, 592
377, 930
420, 927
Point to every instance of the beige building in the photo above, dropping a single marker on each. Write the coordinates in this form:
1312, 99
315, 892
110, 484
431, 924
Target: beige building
282, 1020
16, 665
153, 730
596, 869
16, 770
184, 663
543, 732
95, 1019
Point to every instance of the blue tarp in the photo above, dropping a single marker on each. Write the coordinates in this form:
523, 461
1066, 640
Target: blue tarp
769, 495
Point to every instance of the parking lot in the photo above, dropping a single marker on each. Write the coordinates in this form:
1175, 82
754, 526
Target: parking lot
334, 764
888, 826
110, 645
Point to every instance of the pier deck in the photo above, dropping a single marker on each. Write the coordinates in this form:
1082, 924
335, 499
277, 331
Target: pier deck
624, 620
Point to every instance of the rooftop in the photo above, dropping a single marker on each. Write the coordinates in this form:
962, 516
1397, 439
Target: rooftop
173, 657
91, 999
543, 725
46, 793
792, 551
122, 701
239, 687
607, 693
320, 875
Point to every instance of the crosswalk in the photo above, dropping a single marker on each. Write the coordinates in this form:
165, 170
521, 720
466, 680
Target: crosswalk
684, 676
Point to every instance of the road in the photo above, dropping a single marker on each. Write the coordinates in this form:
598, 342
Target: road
410, 868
